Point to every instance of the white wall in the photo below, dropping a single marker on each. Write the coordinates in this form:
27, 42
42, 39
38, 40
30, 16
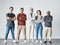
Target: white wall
43, 5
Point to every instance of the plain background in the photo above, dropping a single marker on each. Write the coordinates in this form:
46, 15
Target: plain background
43, 5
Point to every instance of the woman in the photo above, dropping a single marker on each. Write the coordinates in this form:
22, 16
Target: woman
39, 27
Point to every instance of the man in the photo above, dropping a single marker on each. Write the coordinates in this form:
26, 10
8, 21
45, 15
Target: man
31, 17
21, 18
48, 25
10, 24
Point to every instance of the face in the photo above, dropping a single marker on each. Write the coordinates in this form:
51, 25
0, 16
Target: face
10, 10
48, 13
38, 13
31, 10
21, 10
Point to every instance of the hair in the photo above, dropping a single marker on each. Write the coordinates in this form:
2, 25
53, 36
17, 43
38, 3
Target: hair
38, 11
31, 8
11, 7
22, 8
48, 11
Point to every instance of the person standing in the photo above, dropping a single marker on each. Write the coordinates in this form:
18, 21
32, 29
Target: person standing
10, 16
21, 18
31, 17
48, 26
39, 26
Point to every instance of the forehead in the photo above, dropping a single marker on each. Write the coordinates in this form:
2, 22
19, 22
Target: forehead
11, 8
48, 11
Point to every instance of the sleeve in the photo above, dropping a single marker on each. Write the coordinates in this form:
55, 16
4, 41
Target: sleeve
25, 17
7, 15
44, 19
50, 20
14, 15
17, 17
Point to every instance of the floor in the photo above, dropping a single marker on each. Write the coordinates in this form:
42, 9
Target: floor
9, 42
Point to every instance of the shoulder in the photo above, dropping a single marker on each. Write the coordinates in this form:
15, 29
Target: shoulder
51, 15
7, 14
24, 14
13, 14
18, 14
45, 16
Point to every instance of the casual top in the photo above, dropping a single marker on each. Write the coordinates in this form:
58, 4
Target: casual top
10, 22
39, 19
31, 18
48, 21
21, 21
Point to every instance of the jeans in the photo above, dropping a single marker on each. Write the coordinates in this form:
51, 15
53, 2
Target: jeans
8, 28
39, 27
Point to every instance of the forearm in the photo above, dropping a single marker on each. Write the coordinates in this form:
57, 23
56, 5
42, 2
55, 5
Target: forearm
13, 18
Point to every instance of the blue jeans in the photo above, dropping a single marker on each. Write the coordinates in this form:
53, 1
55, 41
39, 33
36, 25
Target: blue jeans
39, 27
8, 28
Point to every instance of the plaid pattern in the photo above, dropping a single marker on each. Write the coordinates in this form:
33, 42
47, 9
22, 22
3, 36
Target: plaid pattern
21, 19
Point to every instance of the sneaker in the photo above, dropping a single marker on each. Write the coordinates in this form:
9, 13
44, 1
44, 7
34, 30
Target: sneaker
24, 41
45, 42
5, 41
40, 41
14, 41
37, 41
17, 41
50, 42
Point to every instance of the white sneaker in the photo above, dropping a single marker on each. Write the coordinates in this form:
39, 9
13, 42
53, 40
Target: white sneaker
40, 41
14, 41
5, 41
24, 41
37, 41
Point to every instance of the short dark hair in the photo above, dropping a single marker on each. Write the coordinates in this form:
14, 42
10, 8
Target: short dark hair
38, 11
22, 8
11, 7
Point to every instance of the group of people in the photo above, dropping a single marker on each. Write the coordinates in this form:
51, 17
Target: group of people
35, 23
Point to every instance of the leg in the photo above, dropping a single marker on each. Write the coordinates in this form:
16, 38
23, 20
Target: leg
37, 28
18, 32
50, 33
24, 31
41, 29
7, 32
32, 32
12, 32
46, 31
29, 31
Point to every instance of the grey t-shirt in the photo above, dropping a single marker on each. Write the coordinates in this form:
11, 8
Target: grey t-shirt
9, 22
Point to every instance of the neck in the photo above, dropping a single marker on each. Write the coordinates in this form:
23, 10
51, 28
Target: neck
10, 12
21, 13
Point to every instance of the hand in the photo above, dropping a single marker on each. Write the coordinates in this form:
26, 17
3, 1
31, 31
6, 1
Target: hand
20, 18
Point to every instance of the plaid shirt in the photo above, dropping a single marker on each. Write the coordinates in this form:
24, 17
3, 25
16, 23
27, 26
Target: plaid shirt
21, 19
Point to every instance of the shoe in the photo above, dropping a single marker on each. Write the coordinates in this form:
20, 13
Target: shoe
45, 42
5, 41
14, 41
17, 41
37, 41
40, 41
50, 42
24, 41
